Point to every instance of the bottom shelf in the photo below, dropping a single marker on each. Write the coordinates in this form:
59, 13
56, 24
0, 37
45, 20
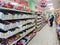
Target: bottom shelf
30, 40
25, 40
41, 27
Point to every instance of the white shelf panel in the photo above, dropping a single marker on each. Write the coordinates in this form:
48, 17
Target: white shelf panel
38, 26
10, 16
7, 27
18, 17
22, 37
10, 26
13, 10
29, 39
38, 23
39, 29
39, 20
39, 17
31, 30
9, 34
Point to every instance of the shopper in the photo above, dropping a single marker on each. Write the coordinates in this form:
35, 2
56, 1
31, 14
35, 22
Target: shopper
51, 20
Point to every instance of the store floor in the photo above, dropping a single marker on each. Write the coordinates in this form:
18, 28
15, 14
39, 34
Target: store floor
47, 36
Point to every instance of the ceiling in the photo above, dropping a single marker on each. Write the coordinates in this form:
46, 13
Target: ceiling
56, 3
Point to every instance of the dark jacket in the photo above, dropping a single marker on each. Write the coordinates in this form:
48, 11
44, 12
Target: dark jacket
51, 19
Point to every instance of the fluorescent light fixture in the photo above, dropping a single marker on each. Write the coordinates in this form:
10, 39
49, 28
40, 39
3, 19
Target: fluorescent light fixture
48, 0
14, 3
51, 8
50, 4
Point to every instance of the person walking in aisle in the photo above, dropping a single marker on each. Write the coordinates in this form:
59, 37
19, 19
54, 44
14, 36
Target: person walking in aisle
51, 20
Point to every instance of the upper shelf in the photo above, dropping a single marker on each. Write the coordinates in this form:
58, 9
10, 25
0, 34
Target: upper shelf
9, 33
2, 9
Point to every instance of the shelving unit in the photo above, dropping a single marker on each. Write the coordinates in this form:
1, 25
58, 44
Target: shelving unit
22, 37
18, 23
3, 9
18, 26
15, 25
30, 40
40, 21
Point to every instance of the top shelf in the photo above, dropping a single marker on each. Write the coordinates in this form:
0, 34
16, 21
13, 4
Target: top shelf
2, 9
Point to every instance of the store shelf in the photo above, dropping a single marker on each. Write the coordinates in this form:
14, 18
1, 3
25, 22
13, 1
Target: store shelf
16, 41
23, 36
12, 26
7, 27
39, 17
39, 23
9, 34
2, 9
39, 26
18, 25
7, 17
30, 39
39, 20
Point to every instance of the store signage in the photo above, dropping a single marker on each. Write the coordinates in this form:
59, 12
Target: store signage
43, 3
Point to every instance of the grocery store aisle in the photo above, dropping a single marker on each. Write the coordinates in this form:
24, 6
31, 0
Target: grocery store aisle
47, 36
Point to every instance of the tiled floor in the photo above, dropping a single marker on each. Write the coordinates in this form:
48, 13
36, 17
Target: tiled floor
47, 36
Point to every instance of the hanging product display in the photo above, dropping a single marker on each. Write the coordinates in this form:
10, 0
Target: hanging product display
43, 3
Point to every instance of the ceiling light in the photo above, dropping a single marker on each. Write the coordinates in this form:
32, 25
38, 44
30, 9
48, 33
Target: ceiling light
14, 3
51, 8
50, 4
48, 0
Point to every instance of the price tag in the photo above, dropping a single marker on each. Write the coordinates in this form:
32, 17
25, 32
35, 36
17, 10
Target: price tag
8, 8
12, 17
26, 32
3, 35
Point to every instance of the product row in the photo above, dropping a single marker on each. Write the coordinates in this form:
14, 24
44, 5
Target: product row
38, 20
9, 16
14, 39
7, 25
16, 30
14, 5
25, 40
